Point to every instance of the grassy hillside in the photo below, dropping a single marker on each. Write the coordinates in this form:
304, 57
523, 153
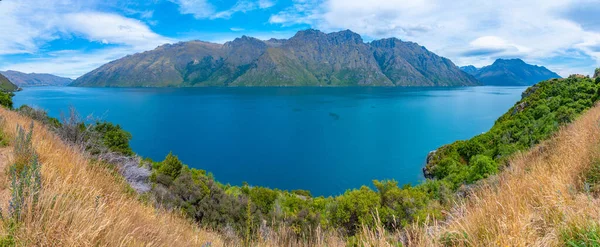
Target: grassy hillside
80, 203
547, 197
6, 85
542, 110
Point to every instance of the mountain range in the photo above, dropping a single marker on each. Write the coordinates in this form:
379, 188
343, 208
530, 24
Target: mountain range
510, 72
34, 79
309, 58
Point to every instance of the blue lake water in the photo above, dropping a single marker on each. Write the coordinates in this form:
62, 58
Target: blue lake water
325, 140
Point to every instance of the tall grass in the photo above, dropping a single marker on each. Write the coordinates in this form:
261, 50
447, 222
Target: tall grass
537, 201
87, 205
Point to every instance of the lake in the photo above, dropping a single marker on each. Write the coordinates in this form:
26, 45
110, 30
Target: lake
325, 140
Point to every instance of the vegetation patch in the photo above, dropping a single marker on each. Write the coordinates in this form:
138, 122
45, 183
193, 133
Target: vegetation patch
585, 235
543, 108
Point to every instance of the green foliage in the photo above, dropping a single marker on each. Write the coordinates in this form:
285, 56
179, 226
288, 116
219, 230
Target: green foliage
6, 99
540, 112
25, 183
171, 166
584, 236
114, 137
354, 208
263, 198
304, 193
481, 167
591, 183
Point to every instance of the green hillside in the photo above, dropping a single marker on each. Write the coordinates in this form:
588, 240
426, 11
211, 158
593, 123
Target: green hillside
6, 85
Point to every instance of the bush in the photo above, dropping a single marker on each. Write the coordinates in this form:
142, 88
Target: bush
263, 198
354, 208
114, 137
481, 167
170, 167
39, 115
6, 99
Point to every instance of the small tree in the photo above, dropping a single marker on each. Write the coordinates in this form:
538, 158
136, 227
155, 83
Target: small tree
171, 166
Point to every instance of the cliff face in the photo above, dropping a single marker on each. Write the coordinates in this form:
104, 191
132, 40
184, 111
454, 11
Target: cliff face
310, 58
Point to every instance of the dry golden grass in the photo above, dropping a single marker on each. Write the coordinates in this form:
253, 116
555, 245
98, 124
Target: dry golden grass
530, 202
82, 204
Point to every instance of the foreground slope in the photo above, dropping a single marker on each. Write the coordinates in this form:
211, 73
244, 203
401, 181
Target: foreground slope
510, 72
34, 79
82, 204
309, 58
547, 197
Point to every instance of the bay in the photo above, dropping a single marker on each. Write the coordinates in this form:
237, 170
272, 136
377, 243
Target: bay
325, 140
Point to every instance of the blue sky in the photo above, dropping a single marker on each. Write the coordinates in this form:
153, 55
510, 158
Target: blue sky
70, 37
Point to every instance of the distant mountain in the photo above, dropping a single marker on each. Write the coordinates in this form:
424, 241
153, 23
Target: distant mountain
6, 85
472, 70
33, 79
510, 72
310, 58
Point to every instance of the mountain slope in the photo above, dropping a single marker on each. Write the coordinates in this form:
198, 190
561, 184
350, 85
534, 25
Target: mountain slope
310, 58
409, 64
34, 79
510, 72
6, 85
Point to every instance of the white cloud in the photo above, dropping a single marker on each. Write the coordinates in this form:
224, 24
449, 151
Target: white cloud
112, 29
28, 26
201, 9
466, 31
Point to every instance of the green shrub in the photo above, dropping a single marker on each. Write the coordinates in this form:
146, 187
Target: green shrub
481, 167
584, 236
263, 198
6, 99
354, 208
114, 137
170, 167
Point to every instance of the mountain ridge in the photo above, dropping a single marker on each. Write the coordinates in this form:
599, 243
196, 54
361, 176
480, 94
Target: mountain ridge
309, 58
510, 72
35, 79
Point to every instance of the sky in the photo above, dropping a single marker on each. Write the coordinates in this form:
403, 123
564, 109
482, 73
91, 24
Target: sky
72, 37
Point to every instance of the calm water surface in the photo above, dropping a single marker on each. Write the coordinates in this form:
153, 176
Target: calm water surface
325, 140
